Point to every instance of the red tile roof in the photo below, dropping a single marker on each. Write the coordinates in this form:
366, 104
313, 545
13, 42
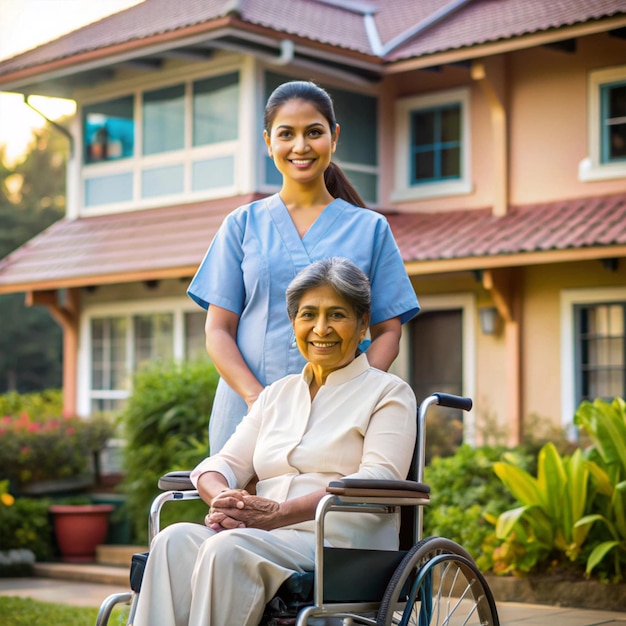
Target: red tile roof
338, 23
551, 226
170, 242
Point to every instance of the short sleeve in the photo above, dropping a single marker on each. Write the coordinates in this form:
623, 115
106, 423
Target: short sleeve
392, 292
219, 279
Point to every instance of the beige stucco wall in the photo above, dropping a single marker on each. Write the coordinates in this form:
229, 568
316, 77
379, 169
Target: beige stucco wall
548, 119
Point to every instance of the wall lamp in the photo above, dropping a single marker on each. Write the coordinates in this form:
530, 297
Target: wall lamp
489, 320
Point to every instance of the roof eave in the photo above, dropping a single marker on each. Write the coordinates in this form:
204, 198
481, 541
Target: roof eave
518, 259
206, 32
414, 268
518, 42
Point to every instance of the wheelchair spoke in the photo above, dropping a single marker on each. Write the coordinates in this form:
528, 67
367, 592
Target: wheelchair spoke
437, 584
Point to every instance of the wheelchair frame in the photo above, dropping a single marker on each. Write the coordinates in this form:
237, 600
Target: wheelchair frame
432, 561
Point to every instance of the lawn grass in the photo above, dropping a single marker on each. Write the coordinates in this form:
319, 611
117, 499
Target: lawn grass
27, 612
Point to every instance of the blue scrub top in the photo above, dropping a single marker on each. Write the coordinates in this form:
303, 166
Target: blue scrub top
253, 258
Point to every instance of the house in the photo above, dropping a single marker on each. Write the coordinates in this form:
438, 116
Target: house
492, 133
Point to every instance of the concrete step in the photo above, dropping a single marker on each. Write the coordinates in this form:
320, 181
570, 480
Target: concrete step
111, 567
84, 572
109, 554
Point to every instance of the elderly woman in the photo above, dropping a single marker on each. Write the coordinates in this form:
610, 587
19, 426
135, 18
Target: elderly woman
339, 418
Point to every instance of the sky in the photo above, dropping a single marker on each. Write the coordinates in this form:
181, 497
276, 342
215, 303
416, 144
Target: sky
26, 24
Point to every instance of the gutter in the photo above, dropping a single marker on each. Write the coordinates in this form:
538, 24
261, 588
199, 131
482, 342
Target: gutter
56, 125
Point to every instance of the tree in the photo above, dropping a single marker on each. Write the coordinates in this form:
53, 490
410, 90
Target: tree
32, 197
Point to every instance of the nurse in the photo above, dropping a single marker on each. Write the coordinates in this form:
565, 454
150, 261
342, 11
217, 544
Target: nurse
260, 247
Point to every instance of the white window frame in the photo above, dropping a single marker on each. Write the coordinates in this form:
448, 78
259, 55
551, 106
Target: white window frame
569, 299
404, 108
466, 302
591, 168
175, 306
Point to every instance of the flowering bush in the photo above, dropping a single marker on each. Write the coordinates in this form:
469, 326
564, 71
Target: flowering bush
49, 448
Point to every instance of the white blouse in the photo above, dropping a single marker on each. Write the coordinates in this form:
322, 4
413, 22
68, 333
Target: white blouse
361, 424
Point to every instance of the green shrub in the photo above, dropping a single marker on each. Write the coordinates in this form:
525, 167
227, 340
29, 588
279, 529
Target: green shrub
38, 405
464, 490
24, 524
166, 422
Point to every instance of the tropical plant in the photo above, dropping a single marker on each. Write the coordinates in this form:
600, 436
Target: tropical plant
166, 429
605, 423
545, 527
464, 489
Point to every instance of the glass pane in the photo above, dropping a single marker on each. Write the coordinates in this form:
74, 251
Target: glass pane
162, 181
164, 119
423, 124
194, 336
424, 166
108, 354
154, 337
617, 101
212, 173
451, 124
602, 351
451, 163
216, 109
108, 189
617, 140
107, 405
108, 130
364, 183
357, 115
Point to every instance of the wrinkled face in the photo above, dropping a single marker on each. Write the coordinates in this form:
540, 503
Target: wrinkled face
327, 329
300, 141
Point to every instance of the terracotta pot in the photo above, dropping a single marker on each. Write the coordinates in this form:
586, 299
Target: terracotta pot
79, 529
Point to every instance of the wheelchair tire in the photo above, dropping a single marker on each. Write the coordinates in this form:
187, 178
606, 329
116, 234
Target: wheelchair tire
437, 583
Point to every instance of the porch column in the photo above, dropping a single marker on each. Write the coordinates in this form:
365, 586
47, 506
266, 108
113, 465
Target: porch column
503, 287
65, 311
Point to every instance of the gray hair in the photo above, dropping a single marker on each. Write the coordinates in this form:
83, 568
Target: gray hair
340, 274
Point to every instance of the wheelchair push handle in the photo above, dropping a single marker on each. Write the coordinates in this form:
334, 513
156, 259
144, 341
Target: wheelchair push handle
453, 402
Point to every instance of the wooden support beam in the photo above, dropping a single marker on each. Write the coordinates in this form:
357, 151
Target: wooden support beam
503, 286
64, 307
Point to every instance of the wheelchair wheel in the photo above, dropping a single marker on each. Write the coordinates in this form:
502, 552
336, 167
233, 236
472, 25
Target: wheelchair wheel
436, 584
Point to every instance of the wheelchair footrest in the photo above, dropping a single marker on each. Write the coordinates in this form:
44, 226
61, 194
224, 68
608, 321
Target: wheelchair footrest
137, 568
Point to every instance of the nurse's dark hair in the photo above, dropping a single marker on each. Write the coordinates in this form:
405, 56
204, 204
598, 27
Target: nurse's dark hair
336, 181
340, 274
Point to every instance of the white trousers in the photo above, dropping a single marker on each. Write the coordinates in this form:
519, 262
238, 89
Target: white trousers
197, 577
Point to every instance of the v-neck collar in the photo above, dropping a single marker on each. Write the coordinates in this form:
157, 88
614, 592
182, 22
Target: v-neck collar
301, 248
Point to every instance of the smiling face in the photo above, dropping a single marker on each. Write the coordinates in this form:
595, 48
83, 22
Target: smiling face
300, 141
327, 330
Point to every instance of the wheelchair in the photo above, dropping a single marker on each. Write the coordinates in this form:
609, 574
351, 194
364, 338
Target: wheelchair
429, 581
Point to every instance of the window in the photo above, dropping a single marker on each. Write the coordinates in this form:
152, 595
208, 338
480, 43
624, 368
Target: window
118, 344
593, 347
435, 144
357, 150
185, 144
606, 124
109, 130
613, 121
432, 146
601, 350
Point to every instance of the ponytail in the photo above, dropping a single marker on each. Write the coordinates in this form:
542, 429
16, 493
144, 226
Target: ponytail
339, 186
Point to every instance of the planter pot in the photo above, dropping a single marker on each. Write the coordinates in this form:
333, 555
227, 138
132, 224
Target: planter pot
79, 528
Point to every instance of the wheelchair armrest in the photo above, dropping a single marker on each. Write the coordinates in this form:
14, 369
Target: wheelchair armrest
176, 481
359, 487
